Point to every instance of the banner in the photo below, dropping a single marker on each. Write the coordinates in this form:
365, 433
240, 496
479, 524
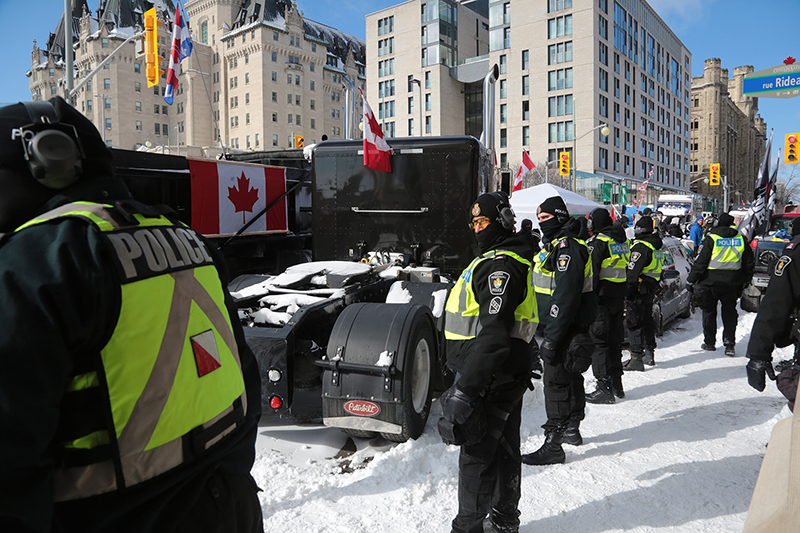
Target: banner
227, 195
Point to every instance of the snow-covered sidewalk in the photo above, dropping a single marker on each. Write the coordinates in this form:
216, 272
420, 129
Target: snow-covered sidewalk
680, 453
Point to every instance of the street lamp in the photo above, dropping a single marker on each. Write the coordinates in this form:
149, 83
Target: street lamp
603, 129
419, 104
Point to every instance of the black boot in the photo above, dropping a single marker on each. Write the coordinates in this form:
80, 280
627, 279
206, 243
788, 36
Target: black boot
634, 363
551, 452
603, 394
572, 434
649, 357
616, 386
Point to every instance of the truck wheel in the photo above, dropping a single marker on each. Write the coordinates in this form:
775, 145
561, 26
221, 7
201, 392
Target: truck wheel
687, 313
359, 433
417, 370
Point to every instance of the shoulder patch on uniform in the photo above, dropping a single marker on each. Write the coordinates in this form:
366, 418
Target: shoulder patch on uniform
498, 282
781, 265
554, 311
591, 249
790, 246
562, 244
634, 257
563, 262
495, 305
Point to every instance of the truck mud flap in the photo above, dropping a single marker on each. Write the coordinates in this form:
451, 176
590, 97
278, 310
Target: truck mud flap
378, 370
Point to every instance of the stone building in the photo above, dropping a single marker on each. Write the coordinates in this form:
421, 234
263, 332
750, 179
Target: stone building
566, 68
259, 74
726, 129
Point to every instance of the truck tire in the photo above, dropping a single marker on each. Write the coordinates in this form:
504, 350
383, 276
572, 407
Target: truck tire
359, 433
417, 380
364, 333
658, 321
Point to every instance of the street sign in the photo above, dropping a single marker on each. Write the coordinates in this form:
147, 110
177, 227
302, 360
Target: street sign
782, 81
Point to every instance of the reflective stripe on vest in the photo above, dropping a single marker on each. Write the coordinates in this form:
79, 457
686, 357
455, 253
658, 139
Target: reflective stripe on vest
656, 265
613, 268
171, 369
462, 310
727, 252
545, 280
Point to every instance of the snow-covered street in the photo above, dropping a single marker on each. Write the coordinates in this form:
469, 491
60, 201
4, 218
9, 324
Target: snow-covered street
680, 453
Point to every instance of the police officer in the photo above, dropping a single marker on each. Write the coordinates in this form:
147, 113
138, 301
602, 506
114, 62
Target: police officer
129, 400
722, 268
610, 252
490, 320
563, 280
642, 282
777, 324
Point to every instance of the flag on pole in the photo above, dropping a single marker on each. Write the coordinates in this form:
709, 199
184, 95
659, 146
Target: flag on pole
181, 49
756, 221
527, 166
376, 150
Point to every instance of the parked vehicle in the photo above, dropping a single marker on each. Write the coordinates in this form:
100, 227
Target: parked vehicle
767, 249
673, 299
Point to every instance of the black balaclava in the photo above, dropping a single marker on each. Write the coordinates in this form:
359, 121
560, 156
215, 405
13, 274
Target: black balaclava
598, 220
491, 205
21, 196
554, 206
643, 226
725, 220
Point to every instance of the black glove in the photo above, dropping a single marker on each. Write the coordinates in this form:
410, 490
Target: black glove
756, 370
548, 351
690, 287
632, 319
456, 405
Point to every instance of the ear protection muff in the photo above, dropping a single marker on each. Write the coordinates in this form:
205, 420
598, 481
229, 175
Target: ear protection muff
52, 150
505, 215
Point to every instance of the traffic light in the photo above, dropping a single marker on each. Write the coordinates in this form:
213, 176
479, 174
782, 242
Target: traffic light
563, 164
298, 141
713, 177
792, 145
151, 58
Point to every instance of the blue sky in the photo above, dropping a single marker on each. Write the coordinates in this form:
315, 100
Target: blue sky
740, 32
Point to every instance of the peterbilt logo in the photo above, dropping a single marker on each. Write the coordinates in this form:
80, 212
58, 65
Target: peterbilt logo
361, 408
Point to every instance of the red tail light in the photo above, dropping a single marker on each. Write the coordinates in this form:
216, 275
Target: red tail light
275, 402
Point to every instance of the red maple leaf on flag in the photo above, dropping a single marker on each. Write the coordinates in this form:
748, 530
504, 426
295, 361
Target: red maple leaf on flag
789, 60
242, 196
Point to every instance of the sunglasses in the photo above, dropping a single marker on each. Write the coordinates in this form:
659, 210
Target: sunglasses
481, 223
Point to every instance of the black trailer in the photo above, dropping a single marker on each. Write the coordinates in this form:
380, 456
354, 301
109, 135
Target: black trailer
374, 364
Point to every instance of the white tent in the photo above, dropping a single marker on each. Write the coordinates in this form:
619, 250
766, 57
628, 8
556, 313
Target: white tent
525, 202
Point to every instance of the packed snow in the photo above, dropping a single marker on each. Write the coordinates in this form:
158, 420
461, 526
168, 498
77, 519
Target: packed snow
681, 453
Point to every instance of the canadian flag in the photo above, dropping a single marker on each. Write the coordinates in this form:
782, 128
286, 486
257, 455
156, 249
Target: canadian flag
225, 196
527, 166
376, 150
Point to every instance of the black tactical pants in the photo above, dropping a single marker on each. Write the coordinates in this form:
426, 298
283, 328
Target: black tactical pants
489, 471
229, 504
607, 332
727, 296
564, 395
645, 337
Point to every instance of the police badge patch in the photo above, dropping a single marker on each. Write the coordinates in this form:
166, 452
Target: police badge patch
494, 305
563, 263
554, 311
498, 282
634, 257
476, 210
783, 262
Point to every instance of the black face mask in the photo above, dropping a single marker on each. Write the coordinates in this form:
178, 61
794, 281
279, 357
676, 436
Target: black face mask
550, 228
491, 236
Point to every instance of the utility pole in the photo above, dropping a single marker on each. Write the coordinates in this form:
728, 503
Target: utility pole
68, 48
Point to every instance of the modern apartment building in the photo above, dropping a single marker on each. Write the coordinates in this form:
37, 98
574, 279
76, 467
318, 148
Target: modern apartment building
260, 73
566, 68
726, 129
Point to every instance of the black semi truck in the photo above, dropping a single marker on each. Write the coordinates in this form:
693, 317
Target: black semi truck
360, 326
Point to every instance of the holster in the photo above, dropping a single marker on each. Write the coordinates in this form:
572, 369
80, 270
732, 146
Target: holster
578, 358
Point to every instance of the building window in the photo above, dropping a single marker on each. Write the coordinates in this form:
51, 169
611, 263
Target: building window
274, 56
275, 139
526, 135
560, 105
503, 88
427, 124
137, 67
274, 97
428, 80
275, 117
312, 85
138, 125
559, 53
427, 102
503, 138
411, 127
558, 5
107, 83
104, 43
559, 27
525, 59
503, 64
204, 32
137, 106
158, 129
560, 79
526, 110
503, 113
137, 86
526, 85
603, 80
385, 25
559, 132
312, 104
313, 124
